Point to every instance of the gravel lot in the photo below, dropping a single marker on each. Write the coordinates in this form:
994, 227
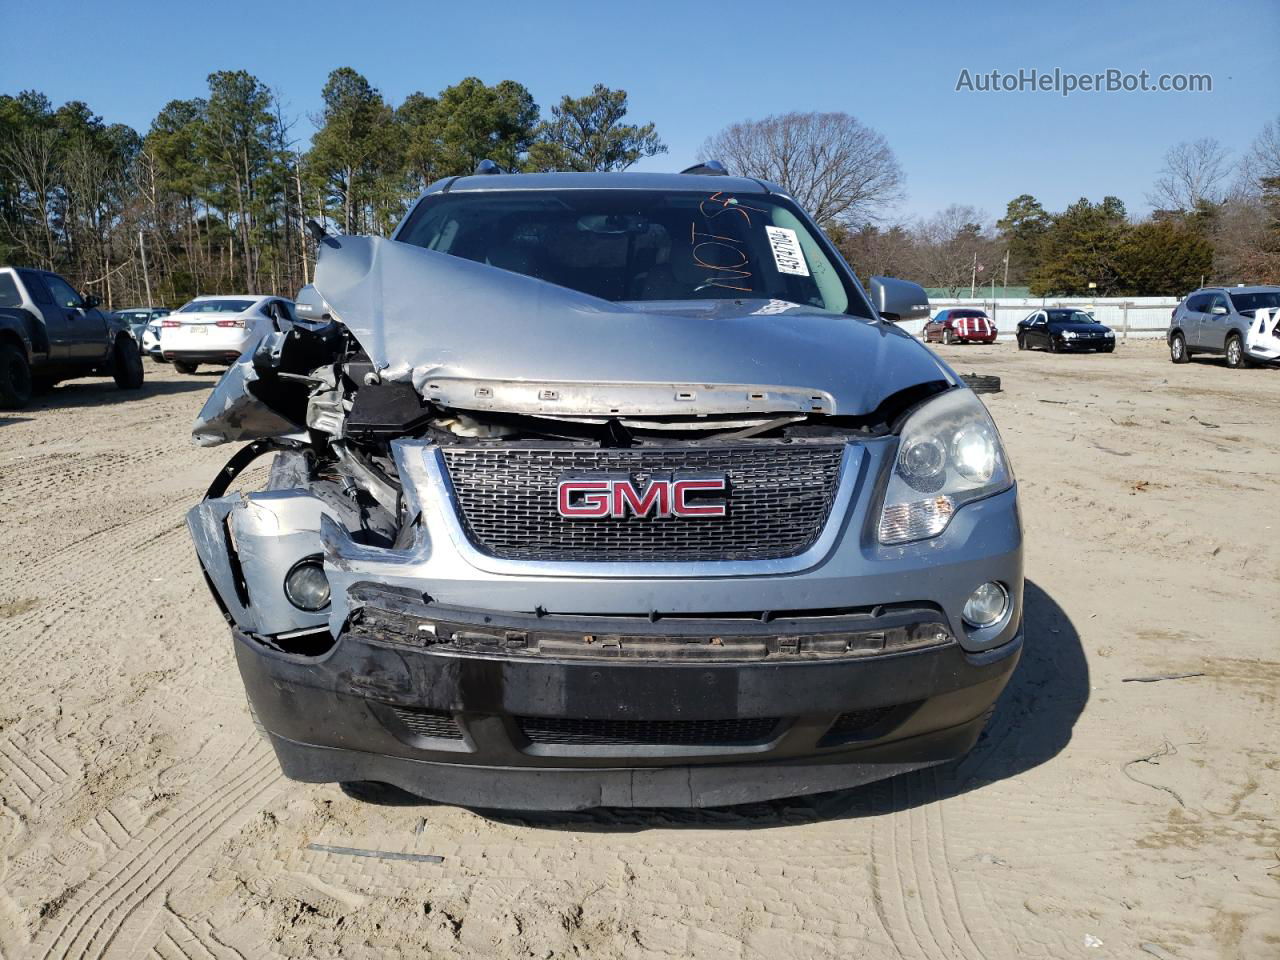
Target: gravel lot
141, 815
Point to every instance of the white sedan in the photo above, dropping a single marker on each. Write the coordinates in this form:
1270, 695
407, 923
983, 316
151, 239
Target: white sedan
219, 329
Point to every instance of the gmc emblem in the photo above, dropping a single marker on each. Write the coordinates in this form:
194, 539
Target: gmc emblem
621, 497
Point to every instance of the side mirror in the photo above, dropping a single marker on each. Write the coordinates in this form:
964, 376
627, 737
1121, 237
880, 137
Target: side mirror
1219, 311
90, 301
899, 300
310, 306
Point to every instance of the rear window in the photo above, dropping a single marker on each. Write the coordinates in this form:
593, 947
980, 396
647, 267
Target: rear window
9, 295
35, 286
968, 313
217, 306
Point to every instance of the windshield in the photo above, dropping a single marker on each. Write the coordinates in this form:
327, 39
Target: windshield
217, 306
1070, 316
1249, 302
637, 245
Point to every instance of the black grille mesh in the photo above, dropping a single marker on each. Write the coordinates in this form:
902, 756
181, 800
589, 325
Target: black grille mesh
562, 730
780, 496
429, 723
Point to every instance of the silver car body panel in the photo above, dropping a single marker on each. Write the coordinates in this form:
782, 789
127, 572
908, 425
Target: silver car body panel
472, 336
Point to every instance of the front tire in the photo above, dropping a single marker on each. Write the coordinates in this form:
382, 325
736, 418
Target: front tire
1178, 349
1022, 342
1235, 352
15, 377
183, 367
948, 337
126, 365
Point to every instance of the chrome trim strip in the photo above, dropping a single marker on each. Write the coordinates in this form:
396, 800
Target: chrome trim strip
443, 502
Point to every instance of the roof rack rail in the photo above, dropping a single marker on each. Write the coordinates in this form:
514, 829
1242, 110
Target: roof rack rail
707, 168
487, 167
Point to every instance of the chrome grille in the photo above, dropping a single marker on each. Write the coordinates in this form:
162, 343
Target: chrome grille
780, 496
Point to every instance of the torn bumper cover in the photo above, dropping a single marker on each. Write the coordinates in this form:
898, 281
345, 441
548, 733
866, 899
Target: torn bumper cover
445, 672
505, 730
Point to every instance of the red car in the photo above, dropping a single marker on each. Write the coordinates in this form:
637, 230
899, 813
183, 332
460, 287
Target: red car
960, 326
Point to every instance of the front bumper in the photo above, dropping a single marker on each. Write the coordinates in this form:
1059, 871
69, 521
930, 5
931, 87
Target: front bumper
1078, 345
528, 725
514, 730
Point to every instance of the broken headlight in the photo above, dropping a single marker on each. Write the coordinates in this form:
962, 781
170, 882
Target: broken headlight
949, 455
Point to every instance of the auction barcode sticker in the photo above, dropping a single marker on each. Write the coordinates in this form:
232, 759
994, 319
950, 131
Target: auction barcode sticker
786, 251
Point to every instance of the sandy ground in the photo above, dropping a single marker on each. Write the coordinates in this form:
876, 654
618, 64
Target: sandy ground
141, 816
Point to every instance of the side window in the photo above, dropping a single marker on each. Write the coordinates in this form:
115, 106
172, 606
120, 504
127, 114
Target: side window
35, 286
1196, 304
9, 295
1218, 300
63, 295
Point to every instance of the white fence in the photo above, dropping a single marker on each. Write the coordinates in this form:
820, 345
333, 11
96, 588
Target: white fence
1137, 317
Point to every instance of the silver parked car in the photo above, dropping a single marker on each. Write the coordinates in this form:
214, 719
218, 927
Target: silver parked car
609, 489
1218, 321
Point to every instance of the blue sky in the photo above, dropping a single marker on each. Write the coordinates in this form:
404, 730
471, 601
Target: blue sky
694, 67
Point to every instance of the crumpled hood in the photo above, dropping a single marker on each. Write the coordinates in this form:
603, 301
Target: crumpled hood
474, 336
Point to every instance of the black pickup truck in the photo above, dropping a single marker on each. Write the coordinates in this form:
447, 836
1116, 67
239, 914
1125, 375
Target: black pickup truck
48, 333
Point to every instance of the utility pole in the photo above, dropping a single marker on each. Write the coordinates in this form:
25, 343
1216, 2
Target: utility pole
302, 217
146, 278
973, 279
1004, 288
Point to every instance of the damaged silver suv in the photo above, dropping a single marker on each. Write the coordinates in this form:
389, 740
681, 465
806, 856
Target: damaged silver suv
609, 490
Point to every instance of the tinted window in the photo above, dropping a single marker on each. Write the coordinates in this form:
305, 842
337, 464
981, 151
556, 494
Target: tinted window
35, 286
1197, 303
1217, 300
1266, 300
1070, 316
217, 306
968, 313
640, 244
9, 295
63, 295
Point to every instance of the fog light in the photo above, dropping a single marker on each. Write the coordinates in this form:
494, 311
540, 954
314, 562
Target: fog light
986, 605
307, 587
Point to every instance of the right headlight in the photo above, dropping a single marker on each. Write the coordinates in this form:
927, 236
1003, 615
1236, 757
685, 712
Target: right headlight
949, 455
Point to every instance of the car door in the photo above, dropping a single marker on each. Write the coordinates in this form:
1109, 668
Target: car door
1214, 322
1038, 330
932, 328
88, 327
57, 326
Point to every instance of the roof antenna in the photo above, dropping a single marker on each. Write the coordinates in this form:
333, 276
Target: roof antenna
487, 167
707, 168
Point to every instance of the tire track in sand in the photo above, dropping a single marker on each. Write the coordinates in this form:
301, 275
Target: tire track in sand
90, 923
913, 885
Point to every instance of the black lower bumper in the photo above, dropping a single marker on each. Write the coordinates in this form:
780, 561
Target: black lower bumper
200, 356
513, 731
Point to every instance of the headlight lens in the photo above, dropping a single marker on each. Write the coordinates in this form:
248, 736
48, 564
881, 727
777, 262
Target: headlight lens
306, 585
949, 455
1069, 334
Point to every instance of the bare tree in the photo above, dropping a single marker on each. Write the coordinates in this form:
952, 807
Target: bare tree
946, 246
838, 169
1194, 173
1262, 162
31, 161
